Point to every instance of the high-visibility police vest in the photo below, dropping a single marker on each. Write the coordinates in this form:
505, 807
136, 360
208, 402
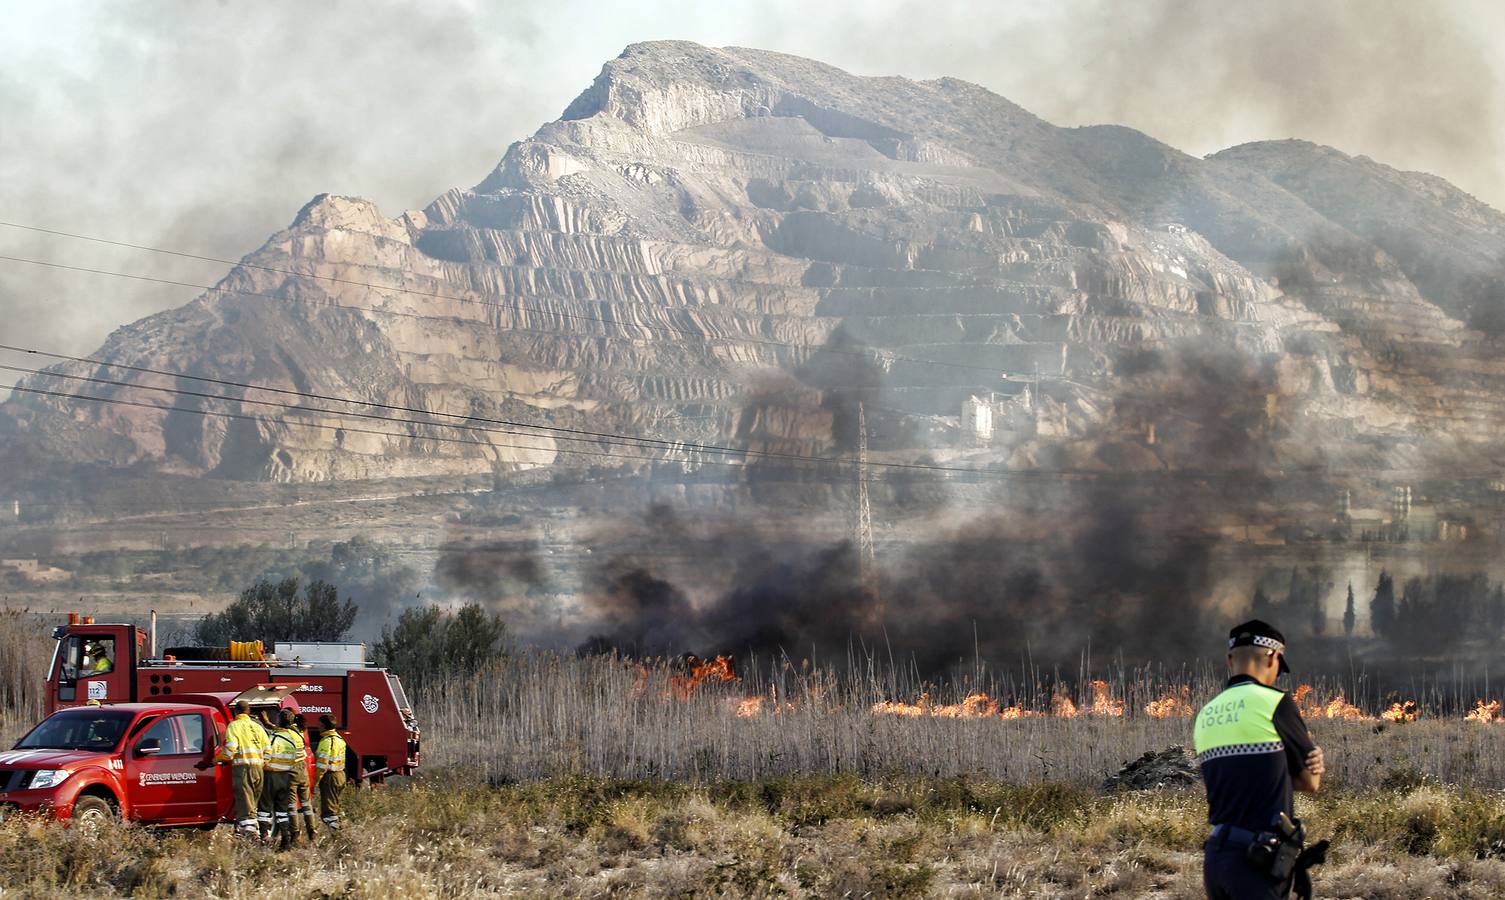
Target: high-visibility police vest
245, 742
330, 755
285, 751
1238, 722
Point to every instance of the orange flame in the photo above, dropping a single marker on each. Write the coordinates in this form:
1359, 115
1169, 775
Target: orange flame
1484, 712
973, 706
1309, 709
639, 675
748, 707
1103, 703
701, 670
1338, 708
895, 708
1171, 706
1175, 703
1405, 711
976, 705
979, 705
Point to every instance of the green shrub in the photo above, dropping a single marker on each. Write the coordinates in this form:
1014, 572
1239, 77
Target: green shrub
271, 612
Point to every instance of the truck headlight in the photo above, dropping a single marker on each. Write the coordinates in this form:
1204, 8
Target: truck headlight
46, 778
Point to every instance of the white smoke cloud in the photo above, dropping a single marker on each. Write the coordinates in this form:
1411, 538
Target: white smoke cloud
204, 127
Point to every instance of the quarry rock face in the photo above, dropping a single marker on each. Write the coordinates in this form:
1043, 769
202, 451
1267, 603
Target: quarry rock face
712, 244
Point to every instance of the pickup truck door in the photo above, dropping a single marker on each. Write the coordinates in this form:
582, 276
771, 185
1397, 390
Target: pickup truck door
169, 771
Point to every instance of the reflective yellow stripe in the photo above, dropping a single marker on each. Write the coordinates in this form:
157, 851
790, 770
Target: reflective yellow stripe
245, 742
285, 751
330, 754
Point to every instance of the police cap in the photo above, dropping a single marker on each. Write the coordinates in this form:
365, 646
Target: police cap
1255, 633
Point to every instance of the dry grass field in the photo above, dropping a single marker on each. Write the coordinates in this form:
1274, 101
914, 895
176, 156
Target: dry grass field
451, 835
536, 716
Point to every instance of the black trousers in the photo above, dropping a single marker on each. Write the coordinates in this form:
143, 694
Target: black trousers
1227, 875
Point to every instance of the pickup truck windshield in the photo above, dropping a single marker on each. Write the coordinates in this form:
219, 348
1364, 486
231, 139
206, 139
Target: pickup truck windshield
78, 729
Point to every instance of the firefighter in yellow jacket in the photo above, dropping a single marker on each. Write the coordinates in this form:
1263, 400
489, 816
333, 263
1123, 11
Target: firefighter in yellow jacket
245, 750
329, 764
285, 753
264, 817
302, 794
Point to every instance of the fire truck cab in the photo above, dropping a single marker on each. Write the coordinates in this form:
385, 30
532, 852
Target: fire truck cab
117, 663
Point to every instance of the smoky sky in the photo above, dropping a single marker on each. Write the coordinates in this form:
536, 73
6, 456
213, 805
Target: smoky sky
1118, 559
205, 127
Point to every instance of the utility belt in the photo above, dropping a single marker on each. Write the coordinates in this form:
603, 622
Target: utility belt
1278, 852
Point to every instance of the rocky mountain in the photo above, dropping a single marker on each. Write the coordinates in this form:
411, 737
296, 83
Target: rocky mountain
734, 246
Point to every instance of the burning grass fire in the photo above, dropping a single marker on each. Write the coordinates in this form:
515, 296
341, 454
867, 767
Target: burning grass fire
1484, 712
701, 720
1099, 699
691, 676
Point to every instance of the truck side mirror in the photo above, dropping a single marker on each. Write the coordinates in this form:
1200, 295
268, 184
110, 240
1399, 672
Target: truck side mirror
149, 747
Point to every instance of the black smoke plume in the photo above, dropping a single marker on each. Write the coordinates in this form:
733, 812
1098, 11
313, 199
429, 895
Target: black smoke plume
508, 577
1088, 554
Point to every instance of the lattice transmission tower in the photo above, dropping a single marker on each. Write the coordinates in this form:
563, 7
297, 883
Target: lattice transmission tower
867, 570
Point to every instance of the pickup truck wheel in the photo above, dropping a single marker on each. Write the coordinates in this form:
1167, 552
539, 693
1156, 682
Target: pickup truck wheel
91, 811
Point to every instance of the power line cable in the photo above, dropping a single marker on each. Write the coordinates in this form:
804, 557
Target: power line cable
510, 329
336, 305
690, 332
626, 440
1195, 475
585, 436
483, 420
503, 306
323, 427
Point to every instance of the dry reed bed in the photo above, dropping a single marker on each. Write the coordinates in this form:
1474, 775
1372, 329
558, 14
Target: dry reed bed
537, 715
26, 647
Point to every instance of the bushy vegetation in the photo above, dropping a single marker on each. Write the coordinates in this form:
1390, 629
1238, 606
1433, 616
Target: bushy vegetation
1420, 618
271, 612
430, 642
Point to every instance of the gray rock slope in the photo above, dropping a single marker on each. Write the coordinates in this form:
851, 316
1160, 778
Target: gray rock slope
670, 257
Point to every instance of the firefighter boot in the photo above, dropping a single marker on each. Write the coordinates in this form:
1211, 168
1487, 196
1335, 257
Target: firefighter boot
308, 823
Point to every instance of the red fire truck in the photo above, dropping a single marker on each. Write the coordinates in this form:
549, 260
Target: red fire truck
120, 664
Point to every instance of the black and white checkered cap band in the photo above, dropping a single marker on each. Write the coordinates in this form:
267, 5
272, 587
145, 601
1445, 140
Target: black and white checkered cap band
1261, 641
1240, 750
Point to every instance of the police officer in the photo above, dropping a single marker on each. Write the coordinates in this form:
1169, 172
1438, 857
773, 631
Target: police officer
1254, 750
245, 749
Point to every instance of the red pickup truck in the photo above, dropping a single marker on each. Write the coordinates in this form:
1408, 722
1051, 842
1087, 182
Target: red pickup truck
151, 763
